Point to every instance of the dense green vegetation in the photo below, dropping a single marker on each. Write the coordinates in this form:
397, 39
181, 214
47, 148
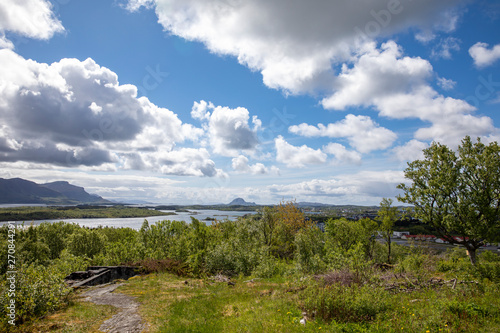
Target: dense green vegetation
74, 212
339, 279
457, 193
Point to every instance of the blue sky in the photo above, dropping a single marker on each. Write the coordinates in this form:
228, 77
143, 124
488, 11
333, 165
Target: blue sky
202, 101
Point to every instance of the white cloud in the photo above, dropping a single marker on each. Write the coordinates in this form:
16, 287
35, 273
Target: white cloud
293, 44
397, 87
446, 22
445, 47
446, 84
410, 151
240, 164
5, 43
297, 157
298, 46
201, 109
187, 162
135, 5
228, 129
366, 187
75, 113
451, 129
342, 155
362, 133
375, 74
483, 55
30, 18
425, 36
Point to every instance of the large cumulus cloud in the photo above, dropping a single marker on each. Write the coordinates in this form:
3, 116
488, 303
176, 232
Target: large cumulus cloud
293, 43
74, 112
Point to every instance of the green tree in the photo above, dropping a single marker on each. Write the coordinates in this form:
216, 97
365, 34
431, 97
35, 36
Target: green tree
344, 237
86, 243
387, 215
458, 193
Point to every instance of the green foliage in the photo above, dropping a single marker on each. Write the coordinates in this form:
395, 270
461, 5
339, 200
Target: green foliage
387, 216
344, 303
310, 250
349, 243
289, 220
30, 246
39, 290
86, 243
458, 194
468, 309
55, 236
269, 266
74, 212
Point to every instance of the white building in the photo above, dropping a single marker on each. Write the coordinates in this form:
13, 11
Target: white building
399, 234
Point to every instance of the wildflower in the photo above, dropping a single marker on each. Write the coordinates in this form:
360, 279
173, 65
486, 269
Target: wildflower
287, 312
279, 310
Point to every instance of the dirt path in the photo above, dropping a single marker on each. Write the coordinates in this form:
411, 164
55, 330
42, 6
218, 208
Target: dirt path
127, 320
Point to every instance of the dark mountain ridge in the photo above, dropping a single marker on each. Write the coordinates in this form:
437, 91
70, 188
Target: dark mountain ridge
22, 191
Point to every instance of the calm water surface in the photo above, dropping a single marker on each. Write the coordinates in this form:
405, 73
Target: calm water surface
136, 222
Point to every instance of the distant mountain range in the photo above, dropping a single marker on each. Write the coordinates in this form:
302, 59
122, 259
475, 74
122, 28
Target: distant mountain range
22, 191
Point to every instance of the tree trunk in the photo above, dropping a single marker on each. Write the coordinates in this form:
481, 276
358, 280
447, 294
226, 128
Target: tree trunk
471, 252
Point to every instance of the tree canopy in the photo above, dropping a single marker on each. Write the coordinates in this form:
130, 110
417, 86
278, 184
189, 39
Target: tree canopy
457, 192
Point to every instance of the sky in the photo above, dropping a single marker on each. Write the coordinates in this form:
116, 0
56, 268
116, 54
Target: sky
203, 101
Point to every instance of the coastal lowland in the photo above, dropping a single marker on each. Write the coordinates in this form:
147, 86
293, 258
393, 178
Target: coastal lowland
432, 265
274, 271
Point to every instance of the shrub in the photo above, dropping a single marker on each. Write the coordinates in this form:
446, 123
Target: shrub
55, 234
309, 251
222, 259
467, 309
39, 290
269, 266
86, 243
489, 270
344, 303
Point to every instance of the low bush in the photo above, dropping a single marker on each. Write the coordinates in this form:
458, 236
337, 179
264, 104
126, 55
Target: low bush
269, 266
344, 302
38, 290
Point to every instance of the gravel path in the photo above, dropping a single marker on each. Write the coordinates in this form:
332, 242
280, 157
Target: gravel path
127, 320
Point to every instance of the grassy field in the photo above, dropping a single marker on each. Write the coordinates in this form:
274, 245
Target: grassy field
390, 303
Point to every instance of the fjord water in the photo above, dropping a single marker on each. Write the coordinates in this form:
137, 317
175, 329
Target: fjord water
136, 222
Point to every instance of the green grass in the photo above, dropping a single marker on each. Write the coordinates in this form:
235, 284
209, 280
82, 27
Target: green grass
170, 304
177, 304
79, 317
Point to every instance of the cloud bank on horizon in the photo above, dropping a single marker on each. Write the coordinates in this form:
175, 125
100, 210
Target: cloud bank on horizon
384, 79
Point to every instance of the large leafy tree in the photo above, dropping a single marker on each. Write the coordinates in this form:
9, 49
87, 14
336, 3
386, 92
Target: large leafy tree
458, 193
